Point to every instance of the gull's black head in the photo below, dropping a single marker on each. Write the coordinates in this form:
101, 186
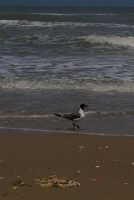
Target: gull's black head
82, 106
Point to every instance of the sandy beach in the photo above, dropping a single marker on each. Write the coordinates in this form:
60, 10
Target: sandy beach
102, 165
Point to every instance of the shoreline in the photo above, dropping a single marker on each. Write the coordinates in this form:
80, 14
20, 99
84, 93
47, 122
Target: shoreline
34, 131
103, 165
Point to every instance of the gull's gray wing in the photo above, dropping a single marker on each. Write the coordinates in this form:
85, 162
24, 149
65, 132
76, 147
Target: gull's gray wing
72, 116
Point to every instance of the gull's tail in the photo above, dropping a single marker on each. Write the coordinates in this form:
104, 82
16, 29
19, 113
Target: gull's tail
59, 115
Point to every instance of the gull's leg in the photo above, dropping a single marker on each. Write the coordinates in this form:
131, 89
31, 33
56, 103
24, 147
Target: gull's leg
77, 126
73, 125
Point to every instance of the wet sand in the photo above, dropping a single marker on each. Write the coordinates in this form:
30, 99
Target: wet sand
103, 165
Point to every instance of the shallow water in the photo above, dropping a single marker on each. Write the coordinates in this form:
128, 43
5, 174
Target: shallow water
107, 113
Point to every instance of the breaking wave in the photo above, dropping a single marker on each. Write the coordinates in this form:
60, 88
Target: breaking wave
110, 40
115, 41
83, 41
84, 85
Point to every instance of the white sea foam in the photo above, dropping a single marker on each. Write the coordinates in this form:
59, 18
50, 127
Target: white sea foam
18, 116
48, 115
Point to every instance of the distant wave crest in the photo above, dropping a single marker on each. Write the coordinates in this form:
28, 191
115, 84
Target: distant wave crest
27, 23
74, 14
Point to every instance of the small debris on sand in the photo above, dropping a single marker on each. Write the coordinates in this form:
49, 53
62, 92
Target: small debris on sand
19, 183
5, 194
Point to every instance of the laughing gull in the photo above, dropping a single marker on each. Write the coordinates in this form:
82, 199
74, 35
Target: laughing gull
74, 116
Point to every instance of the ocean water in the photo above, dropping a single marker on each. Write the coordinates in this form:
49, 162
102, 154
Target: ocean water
52, 59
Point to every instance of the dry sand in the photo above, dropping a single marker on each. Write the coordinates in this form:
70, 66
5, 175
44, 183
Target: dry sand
104, 166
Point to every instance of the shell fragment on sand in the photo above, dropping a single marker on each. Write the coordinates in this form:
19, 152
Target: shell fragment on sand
80, 147
15, 187
78, 172
55, 182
